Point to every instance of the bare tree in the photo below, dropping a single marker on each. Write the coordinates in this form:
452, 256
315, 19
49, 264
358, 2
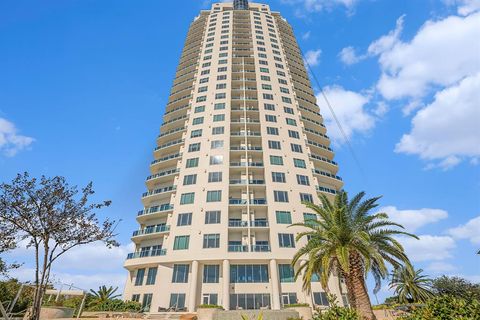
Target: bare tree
52, 217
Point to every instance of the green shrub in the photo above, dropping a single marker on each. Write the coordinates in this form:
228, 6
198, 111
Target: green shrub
209, 306
117, 305
337, 313
293, 305
8, 291
446, 308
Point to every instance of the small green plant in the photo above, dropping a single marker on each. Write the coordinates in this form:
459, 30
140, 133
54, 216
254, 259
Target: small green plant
293, 305
209, 306
245, 317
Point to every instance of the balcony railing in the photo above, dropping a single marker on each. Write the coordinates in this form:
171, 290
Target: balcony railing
163, 173
245, 181
327, 190
149, 253
170, 143
246, 164
157, 191
166, 158
237, 223
259, 201
157, 229
320, 158
249, 148
326, 174
260, 248
237, 248
246, 134
259, 223
160, 208
245, 121
244, 109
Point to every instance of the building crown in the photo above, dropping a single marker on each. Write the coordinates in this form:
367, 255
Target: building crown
240, 4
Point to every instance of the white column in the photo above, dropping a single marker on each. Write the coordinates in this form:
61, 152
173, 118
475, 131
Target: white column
192, 297
275, 285
226, 285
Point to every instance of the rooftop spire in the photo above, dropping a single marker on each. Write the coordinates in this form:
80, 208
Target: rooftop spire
240, 4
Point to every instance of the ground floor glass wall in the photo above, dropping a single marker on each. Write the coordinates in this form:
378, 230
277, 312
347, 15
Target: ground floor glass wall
249, 301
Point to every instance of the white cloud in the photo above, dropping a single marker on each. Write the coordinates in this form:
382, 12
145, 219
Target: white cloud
94, 256
414, 219
310, 6
348, 56
428, 248
440, 54
381, 109
440, 267
87, 266
83, 281
10, 141
387, 42
312, 57
350, 109
470, 231
447, 129
464, 7
306, 35
468, 6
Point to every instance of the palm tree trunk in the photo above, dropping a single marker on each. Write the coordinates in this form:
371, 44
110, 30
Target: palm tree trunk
348, 283
359, 288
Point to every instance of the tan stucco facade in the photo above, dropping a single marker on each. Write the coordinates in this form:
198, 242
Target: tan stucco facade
241, 134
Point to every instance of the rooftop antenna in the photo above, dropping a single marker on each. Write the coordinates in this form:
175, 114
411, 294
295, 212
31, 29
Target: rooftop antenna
240, 4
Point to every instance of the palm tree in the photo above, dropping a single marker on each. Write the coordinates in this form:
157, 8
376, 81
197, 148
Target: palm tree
410, 285
349, 241
104, 294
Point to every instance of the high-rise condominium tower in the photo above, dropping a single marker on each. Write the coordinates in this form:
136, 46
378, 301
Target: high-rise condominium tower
242, 144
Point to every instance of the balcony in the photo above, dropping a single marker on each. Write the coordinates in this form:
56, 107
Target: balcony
237, 223
151, 230
166, 158
149, 253
255, 109
245, 134
159, 191
237, 248
245, 182
323, 159
260, 248
237, 201
245, 148
154, 212
244, 98
246, 164
326, 190
328, 178
326, 174
243, 120
173, 131
161, 174
169, 144
259, 223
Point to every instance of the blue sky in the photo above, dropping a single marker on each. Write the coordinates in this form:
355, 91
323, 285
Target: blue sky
83, 86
